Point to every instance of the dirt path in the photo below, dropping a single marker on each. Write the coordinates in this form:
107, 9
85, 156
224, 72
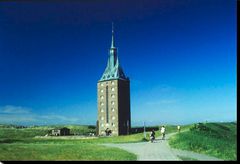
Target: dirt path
159, 150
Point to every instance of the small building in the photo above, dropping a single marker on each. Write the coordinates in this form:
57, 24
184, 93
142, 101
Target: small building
60, 132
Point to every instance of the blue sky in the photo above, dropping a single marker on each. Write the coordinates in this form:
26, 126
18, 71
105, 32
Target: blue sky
180, 56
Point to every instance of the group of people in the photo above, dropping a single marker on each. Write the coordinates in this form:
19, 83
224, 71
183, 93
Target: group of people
162, 131
108, 132
152, 134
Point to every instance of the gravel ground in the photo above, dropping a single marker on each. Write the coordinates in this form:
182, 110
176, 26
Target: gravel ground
160, 150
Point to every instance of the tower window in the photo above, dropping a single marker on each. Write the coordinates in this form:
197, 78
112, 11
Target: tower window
113, 89
102, 118
101, 84
102, 125
112, 82
113, 117
113, 96
102, 90
113, 109
112, 103
102, 110
101, 97
101, 103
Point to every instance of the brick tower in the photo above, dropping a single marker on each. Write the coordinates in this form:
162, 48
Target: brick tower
113, 97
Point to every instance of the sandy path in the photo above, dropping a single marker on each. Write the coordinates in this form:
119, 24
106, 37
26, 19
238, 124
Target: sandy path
159, 150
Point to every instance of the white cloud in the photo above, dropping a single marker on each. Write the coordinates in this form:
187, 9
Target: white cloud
22, 115
13, 118
59, 117
9, 109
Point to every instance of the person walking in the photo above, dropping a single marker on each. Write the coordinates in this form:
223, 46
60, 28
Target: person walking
163, 132
179, 128
152, 135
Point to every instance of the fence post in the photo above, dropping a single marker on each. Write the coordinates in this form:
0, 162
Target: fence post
144, 130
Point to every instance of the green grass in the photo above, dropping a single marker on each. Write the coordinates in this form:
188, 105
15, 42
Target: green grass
79, 151
26, 135
215, 139
20, 144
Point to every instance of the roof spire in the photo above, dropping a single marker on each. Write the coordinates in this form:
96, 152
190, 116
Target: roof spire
113, 69
112, 45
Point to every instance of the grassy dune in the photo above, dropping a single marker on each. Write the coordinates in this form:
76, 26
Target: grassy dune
20, 144
26, 135
215, 139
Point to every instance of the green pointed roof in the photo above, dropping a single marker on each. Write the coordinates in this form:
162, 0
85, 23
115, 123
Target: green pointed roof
113, 69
